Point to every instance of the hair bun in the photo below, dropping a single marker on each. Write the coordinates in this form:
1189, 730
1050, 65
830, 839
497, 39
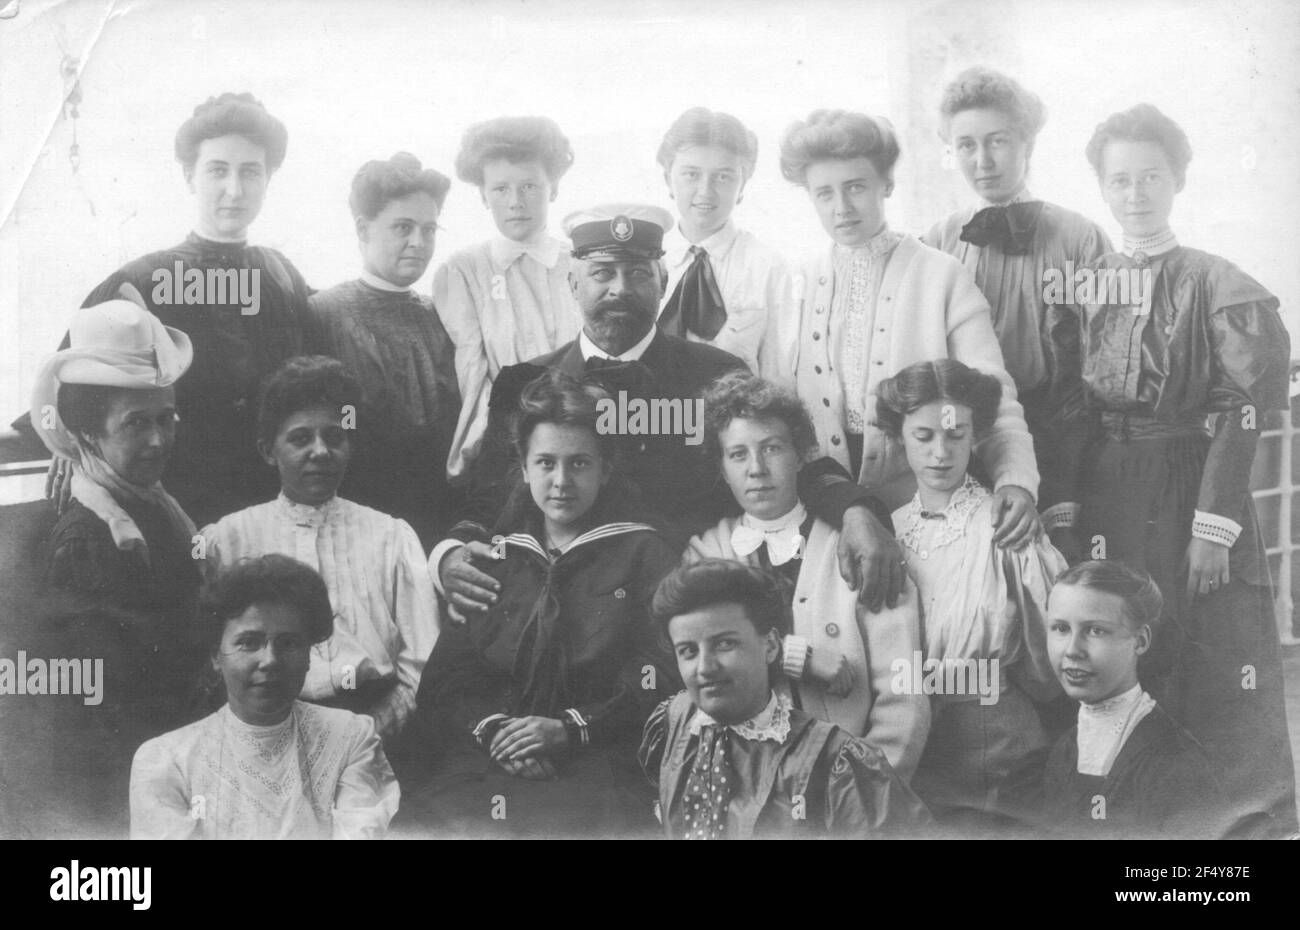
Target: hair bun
406, 161
225, 98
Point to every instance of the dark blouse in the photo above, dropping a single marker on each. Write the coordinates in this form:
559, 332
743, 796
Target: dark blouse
572, 632
1209, 340
1212, 341
83, 558
1161, 785
1037, 337
137, 620
215, 468
819, 782
396, 346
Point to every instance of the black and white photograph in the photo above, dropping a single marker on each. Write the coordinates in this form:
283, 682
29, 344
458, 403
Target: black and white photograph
649, 419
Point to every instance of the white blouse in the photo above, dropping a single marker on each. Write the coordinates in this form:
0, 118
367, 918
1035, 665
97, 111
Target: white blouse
502, 303
756, 286
319, 774
385, 611
979, 601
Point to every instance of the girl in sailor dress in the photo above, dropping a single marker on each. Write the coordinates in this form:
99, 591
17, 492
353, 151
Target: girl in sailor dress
541, 698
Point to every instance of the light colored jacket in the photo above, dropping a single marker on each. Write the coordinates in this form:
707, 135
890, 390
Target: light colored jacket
927, 308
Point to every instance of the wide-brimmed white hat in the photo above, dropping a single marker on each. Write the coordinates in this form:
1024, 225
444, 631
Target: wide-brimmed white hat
113, 344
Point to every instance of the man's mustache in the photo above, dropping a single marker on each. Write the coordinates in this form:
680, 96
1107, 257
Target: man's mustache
620, 304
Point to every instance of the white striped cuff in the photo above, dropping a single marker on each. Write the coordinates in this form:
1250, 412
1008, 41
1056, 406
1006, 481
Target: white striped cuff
484, 723
581, 723
794, 656
1060, 516
1216, 529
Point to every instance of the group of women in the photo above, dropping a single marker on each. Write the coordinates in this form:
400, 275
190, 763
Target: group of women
1010, 434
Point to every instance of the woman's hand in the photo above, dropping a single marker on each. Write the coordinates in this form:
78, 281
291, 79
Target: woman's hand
58, 482
468, 590
1015, 518
1207, 567
870, 560
831, 669
528, 737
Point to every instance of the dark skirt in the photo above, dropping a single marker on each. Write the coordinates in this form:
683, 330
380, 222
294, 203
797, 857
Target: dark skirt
970, 753
598, 793
1215, 663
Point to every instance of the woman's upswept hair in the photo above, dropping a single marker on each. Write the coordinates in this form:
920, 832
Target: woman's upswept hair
1142, 599
740, 395
927, 382
232, 115
266, 579
704, 127
302, 382
378, 182
981, 88
711, 582
837, 135
516, 139
1141, 123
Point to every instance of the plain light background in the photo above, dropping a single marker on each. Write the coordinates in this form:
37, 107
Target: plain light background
355, 81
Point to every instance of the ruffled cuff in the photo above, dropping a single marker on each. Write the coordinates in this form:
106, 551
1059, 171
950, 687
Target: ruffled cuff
1060, 516
794, 656
1216, 529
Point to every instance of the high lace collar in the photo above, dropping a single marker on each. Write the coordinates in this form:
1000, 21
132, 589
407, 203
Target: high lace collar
269, 742
1151, 246
306, 514
771, 723
1112, 708
875, 247
955, 517
1105, 726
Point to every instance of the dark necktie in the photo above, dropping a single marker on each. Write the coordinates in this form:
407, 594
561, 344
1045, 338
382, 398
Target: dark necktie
696, 304
1010, 228
708, 788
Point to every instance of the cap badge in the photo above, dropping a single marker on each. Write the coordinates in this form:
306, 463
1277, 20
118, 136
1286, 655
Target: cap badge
620, 227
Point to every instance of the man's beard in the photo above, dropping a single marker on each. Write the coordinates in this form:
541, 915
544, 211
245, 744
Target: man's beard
609, 326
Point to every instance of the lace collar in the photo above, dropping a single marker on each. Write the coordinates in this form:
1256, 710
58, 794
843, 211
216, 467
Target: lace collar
306, 514
879, 245
266, 742
772, 723
1104, 727
964, 501
1151, 246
